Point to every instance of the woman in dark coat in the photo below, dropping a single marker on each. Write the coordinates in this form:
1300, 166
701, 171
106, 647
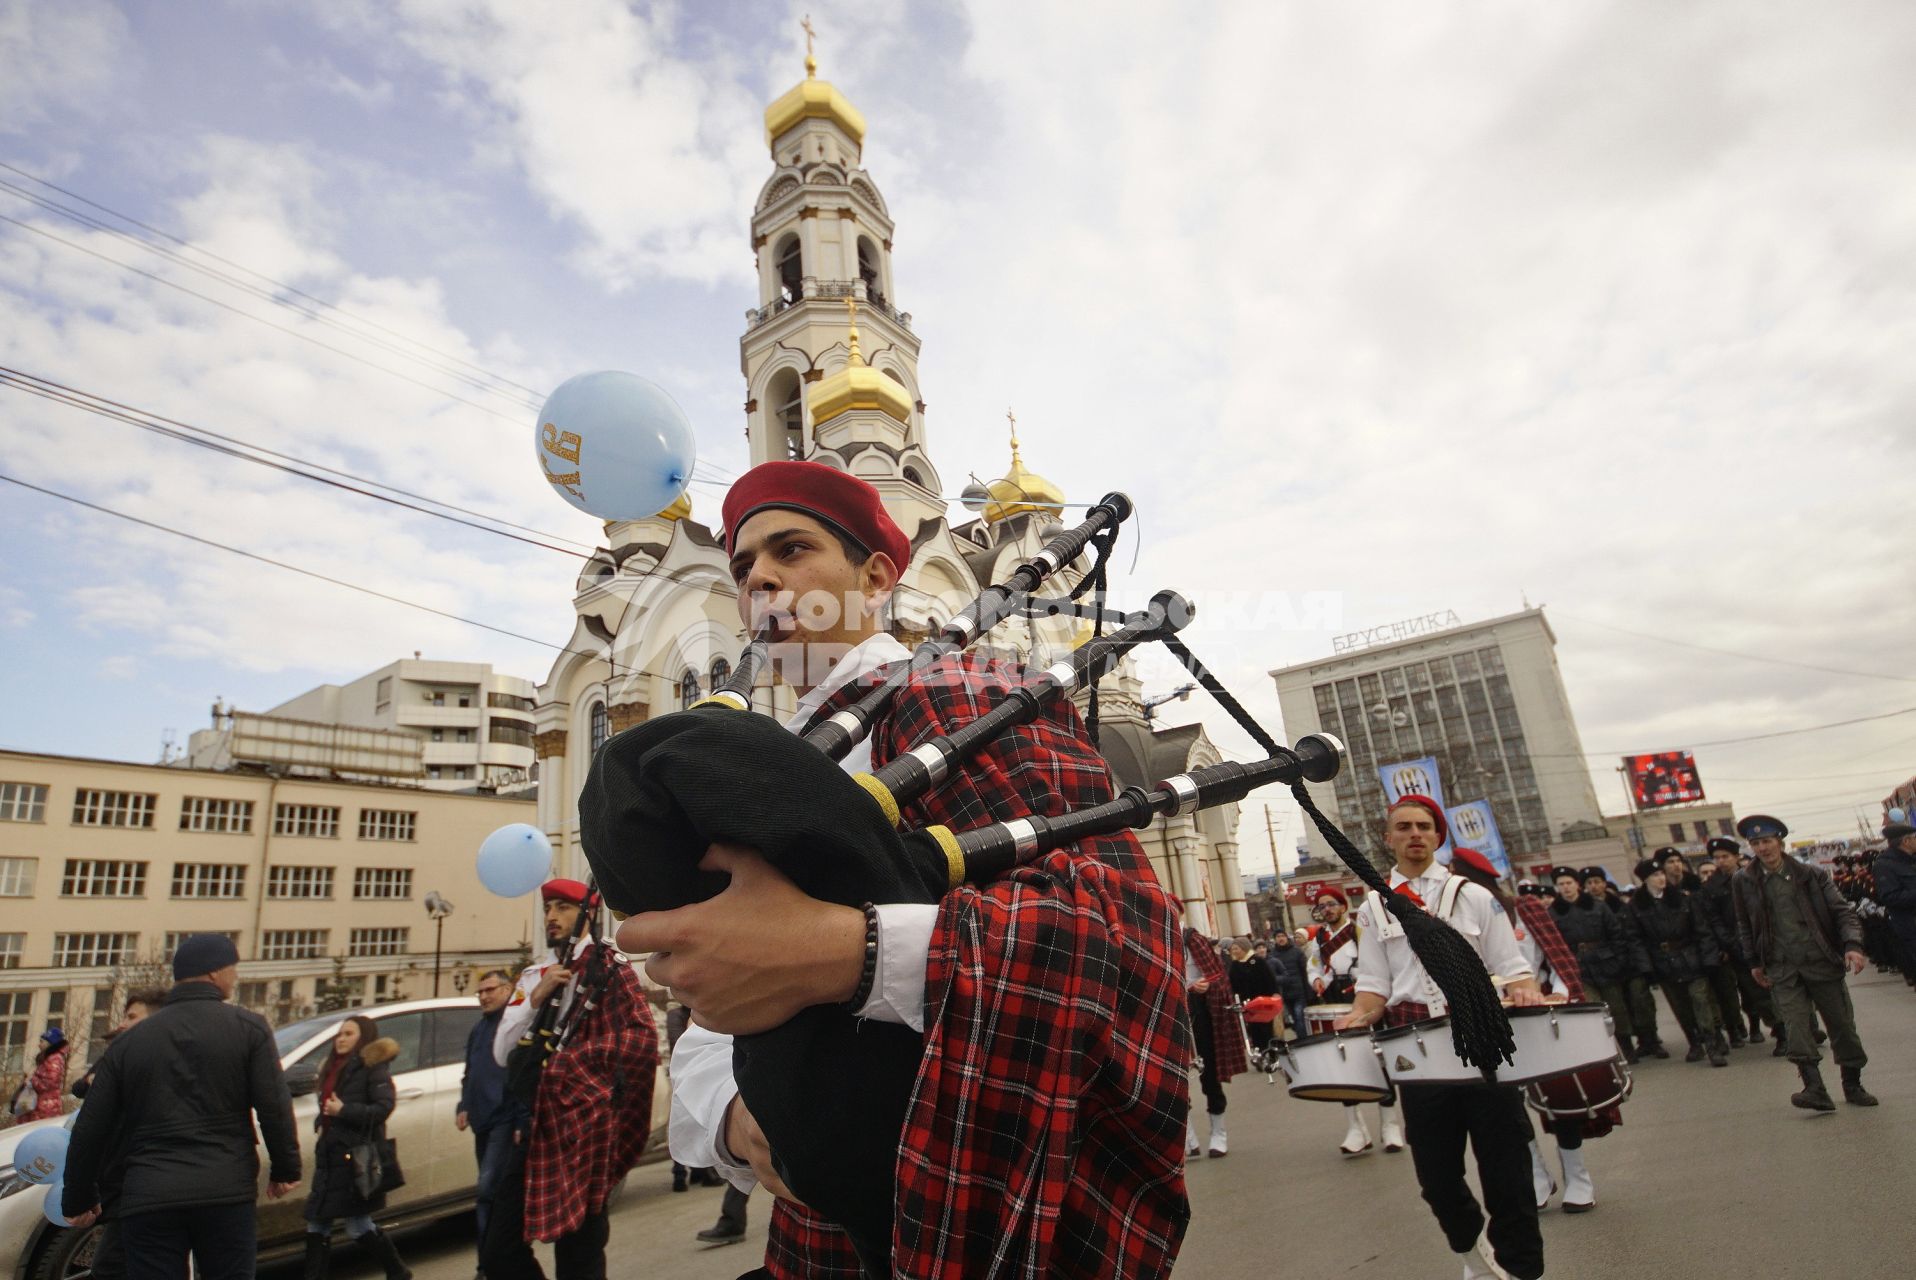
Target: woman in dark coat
355, 1097
1251, 978
1681, 945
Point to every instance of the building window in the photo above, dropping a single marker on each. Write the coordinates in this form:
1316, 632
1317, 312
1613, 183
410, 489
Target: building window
382, 694
1724, 827
462, 735
509, 702
22, 802
299, 882
601, 726
438, 735
510, 734
16, 877
378, 942
1702, 829
382, 882
386, 824
721, 672
218, 817
57, 1009
92, 950
11, 945
438, 699
463, 773
688, 688
113, 809
293, 944
465, 700
175, 937
252, 995
100, 878
1676, 831
320, 820
209, 880
432, 773
16, 1007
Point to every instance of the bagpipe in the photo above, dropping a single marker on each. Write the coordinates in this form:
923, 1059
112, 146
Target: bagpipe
830, 1090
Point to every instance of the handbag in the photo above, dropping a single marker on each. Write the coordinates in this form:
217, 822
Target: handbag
376, 1167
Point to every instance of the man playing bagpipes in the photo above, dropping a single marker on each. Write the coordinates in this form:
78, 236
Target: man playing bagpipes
1042, 1131
581, 1053
1215, 1031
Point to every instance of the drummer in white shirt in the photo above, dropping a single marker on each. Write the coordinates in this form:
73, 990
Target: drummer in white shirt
1393, 988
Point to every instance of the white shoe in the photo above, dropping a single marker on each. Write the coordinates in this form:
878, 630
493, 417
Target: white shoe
1357, 1136
1478, 1265
1393, 1128
1192, 1146
1579, 1193
1540, 1180
1218, 1147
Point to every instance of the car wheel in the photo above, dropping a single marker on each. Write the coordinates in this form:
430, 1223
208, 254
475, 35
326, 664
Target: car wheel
67, 1255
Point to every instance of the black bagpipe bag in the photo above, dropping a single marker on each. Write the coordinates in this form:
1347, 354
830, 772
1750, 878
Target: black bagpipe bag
830, 1090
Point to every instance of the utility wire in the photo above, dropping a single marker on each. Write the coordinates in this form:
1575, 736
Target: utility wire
257, 275
603, 655
1734, 653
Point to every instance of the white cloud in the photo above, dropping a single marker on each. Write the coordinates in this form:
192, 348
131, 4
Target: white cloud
59, 56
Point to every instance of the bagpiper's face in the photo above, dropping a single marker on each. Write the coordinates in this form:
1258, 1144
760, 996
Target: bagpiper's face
561, 918
793, 571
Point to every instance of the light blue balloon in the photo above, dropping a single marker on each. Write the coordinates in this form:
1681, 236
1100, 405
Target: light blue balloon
41, 1156
51, 1207
515, 860
614, 445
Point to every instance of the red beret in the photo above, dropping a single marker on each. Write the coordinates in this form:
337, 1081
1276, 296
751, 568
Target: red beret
572, 891
823, 492
1470, 858
1436, 811
1332, 891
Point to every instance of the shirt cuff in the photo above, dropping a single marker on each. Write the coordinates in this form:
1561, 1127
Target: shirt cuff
702, 1093
898, 982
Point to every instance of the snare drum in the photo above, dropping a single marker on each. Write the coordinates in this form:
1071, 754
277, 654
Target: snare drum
1318, 1017
1422, 1053
1338, 1066
1582, 1094
1558, 1040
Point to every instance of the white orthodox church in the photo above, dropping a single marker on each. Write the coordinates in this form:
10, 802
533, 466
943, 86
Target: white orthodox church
831, 375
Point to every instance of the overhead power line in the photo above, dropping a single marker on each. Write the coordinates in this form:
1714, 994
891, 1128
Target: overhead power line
1735, 653
604, 655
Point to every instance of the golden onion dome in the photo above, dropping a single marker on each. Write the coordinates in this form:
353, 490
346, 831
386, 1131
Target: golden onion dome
680, 509
857, 386
1021, 490
813, 99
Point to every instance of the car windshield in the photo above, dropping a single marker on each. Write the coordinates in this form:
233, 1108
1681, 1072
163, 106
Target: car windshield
294, 1034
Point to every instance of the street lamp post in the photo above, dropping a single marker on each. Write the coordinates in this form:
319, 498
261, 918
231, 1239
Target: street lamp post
438, 908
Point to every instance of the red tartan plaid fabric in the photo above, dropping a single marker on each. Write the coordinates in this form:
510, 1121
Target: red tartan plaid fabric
1045, 1135
1536, 918
1227, 1056
593, 1109
1405, 1013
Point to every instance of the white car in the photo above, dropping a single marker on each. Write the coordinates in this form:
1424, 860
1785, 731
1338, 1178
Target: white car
438, 1160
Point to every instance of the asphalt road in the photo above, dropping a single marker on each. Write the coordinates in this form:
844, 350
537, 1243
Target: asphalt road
1713, 1176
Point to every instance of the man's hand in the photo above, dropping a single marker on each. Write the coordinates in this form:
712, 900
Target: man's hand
80, 1222
745, 1140
280, 1190
750, 958
1200, 986
459, 1122
1853, 961
1759, 977
1524, 994
554, 978
332, 1106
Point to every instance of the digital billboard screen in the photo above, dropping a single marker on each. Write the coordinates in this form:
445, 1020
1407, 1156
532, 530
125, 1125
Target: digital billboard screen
1663, 778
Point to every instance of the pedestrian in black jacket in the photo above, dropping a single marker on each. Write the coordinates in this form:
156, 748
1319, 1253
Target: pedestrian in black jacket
1730, 980
1605, 951
355, 1097
1894, 888
1251, 978
1286, 959
178, 1095
1681, 948
109, 1251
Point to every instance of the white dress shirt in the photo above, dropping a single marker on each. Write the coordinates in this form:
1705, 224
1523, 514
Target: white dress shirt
1387, 967
702, 1084
517, 1016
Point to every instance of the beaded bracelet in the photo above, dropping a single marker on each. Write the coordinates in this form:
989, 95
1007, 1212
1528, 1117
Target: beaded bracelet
869, 974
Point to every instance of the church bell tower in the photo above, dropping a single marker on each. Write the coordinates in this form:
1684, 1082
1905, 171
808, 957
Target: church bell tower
830, 362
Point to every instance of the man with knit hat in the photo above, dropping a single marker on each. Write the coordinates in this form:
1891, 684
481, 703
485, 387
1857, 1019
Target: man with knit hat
582, 1113
1804, 938
188, 1165
1441, 1119
1043, 1135
1332, 967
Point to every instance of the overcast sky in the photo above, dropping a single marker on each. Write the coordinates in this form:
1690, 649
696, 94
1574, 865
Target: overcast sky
1432, 306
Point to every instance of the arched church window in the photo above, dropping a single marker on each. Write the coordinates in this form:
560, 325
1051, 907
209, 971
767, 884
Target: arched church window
688, 688
787, 399
911, 474
601, 726
791, 268
721, 672
868, 270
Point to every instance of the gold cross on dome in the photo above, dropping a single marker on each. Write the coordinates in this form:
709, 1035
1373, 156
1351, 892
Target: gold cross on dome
1012, 418
806, 26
